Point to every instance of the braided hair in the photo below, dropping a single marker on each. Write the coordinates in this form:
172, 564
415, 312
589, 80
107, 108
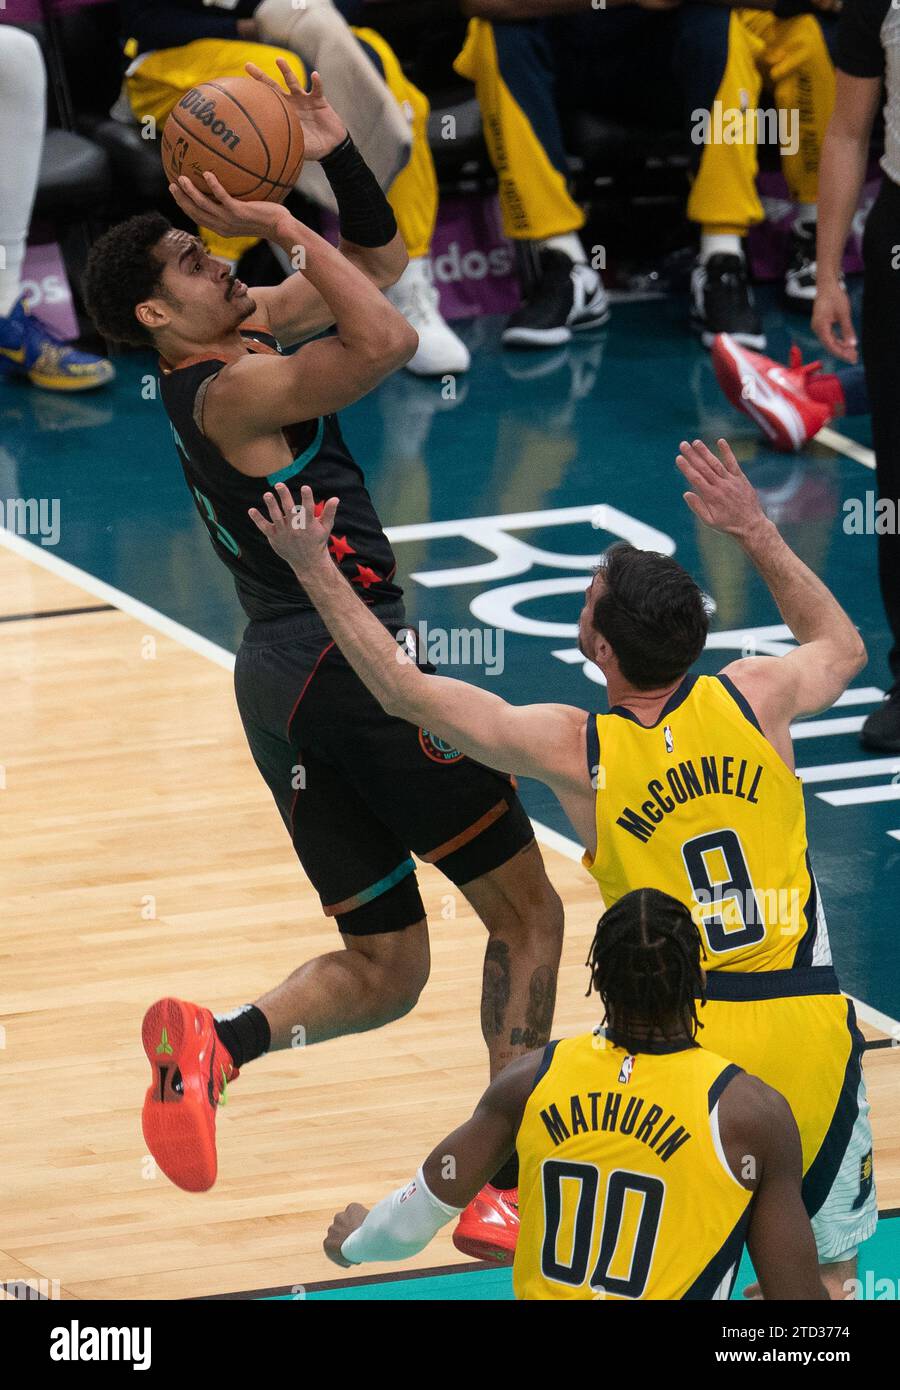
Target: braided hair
645, 963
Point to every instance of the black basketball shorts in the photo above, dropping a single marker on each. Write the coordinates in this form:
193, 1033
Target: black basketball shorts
357, 789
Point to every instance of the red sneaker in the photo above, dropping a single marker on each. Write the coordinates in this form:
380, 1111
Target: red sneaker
191, 1071
489, 1227
775, 397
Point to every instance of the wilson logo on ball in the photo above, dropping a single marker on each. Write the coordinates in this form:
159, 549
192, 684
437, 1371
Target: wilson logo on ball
204, 110
241, 130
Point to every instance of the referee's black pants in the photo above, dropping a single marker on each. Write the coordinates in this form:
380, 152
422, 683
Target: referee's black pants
881, 358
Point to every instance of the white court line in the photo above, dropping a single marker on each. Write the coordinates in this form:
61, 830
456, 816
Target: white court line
836, 772
818, 728
860, 695
39, 555
843, 445
546, 835
875, 1018
862, 796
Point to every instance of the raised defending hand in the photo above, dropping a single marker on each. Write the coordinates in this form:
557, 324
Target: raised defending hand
299, 534
721, 494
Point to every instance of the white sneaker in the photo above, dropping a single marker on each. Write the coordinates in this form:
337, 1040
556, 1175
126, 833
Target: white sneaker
440, 350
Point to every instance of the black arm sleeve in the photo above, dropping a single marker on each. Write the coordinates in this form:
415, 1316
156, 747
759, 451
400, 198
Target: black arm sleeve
859, 51
365, 215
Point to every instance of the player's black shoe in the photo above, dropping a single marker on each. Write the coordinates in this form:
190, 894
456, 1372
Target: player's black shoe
565, 296
881, 731
722, 302
800, 276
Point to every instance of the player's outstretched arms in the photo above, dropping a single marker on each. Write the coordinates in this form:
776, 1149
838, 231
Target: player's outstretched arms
295, 311
369, 235
456, 1169
258, 394
831, 651
762, 1144
543, 741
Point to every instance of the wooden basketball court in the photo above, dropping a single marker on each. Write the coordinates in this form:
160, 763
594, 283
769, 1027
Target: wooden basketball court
143, 855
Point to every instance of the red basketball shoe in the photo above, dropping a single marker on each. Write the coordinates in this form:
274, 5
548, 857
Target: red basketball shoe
775, 397
489, 1227
191, 1071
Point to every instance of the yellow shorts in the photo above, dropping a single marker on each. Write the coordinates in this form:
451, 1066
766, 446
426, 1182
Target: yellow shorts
798, 1033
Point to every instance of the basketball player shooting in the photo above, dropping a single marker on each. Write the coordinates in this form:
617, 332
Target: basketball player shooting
357, 789
686, 785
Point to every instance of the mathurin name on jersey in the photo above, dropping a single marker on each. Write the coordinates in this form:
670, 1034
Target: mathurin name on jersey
717, 775
582, 1114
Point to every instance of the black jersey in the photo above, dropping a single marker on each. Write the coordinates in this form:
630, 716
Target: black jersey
267, 586
861, 37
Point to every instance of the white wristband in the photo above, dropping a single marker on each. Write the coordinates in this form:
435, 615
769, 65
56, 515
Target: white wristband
400, 1225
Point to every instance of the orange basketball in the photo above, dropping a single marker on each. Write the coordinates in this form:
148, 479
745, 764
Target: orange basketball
241, 130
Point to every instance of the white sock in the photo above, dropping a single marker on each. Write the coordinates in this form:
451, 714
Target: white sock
22, 96
720, 243
570, 245
807, 218
419, 268
12, 254
231, 1014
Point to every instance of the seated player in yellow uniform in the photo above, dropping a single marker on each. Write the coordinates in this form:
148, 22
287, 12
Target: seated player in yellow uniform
645, 1159
177, 44
686, 785
537, 67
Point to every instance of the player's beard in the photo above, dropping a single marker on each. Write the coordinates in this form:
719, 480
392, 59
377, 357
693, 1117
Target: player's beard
244, 308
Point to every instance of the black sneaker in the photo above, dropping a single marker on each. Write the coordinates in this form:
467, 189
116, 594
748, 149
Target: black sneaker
881, 731
722, 302
565, 297
800, 276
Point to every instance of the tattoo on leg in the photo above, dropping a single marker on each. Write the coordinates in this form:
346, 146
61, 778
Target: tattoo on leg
495, 990
539, 1010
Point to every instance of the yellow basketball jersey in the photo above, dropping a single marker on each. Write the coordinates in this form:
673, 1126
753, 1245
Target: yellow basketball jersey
624, 1192
700, 805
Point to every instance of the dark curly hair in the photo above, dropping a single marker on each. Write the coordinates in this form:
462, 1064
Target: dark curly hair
121, 272
652, 614
645, 963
